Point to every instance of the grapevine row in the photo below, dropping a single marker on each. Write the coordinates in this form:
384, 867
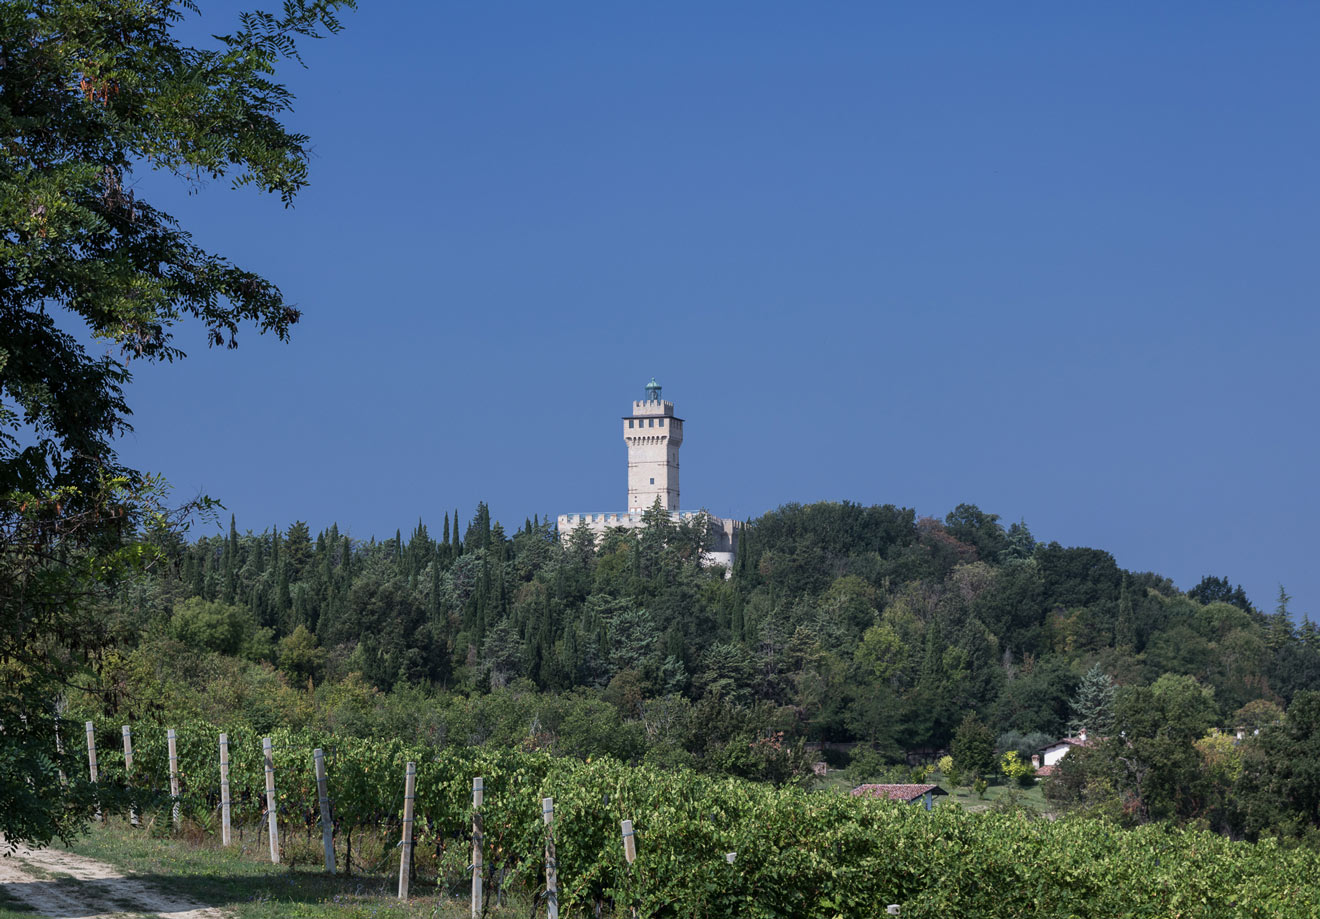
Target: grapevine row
798, 853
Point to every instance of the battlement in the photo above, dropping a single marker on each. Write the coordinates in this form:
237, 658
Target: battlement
724, 534
654, 407
654, 434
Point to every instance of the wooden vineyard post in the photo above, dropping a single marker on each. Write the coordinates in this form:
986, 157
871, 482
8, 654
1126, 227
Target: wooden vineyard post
478, 794
224, 789
271, 819
327, 831
551, 862
630, 853
59, 752
171, 740
405, 858
128, 769
91, 758
629, 842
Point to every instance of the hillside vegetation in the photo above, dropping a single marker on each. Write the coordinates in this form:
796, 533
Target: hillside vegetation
838, 623
713, 846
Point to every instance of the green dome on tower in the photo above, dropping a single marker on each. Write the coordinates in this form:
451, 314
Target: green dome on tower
653, 391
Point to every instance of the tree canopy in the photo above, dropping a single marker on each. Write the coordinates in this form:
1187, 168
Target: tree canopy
92, 93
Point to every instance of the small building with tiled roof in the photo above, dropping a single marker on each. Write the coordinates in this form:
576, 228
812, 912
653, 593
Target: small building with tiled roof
908, 794
1050, 755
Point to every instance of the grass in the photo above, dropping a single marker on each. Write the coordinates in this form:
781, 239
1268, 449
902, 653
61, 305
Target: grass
1002, 794
1031, 798
241, 880
13, 908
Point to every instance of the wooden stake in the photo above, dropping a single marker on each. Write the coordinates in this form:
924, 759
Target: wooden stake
478, 794
630, 853
174, 774
128, 769
59, 751
224, 789
629, 841
327, 831
551, 862
91, 758
405, 858
271, 819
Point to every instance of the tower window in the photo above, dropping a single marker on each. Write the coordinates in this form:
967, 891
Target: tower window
630, 422
662, 422
652, 422
652, 481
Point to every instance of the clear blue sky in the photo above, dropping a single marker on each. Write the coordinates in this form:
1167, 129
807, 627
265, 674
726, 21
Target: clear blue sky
1057, 261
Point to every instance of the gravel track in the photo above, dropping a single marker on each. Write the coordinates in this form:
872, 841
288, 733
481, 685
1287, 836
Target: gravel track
62, 885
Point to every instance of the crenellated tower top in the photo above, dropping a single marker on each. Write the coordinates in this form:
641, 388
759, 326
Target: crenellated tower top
653, 434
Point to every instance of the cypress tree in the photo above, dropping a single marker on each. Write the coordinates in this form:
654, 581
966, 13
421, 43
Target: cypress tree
434, 606
1125, 632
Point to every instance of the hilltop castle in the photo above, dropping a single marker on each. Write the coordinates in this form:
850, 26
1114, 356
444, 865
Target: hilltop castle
653, 434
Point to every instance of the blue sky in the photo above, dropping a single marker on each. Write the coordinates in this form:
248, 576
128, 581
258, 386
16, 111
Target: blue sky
1059, 262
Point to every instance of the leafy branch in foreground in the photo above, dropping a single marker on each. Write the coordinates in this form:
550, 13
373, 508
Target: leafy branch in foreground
92, 91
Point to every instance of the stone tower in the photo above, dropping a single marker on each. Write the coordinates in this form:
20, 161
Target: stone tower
653, 436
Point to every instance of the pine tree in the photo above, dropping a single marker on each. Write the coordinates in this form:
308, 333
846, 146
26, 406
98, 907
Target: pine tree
1020, 544
1308, 632
1093, 706
1279, 629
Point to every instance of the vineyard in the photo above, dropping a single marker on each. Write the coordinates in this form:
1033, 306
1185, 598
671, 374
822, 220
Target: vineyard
705, 846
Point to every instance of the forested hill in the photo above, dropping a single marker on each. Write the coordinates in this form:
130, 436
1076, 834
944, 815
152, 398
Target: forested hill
838, 622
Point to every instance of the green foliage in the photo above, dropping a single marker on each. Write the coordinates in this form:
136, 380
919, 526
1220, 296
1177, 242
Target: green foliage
90, 91
299, 657
1093, 705
632, 648
1280, 785
974, 747
1016, 769
869, 765
815, 855
949, 769
209, 625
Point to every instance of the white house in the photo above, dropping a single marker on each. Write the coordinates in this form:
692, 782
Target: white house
1050, 756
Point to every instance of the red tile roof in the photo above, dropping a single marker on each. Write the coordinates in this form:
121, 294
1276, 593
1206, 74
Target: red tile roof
895, 792
1044, 772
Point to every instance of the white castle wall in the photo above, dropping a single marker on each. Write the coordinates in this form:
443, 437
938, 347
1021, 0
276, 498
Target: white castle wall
653, 435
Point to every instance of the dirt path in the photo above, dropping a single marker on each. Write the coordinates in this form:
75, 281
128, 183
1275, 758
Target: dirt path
62, 885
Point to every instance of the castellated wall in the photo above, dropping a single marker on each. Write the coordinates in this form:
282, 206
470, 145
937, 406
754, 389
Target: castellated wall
653, 435
724, 533
653, 407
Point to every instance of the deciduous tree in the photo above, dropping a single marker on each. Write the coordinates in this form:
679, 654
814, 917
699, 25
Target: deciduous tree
93, 92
